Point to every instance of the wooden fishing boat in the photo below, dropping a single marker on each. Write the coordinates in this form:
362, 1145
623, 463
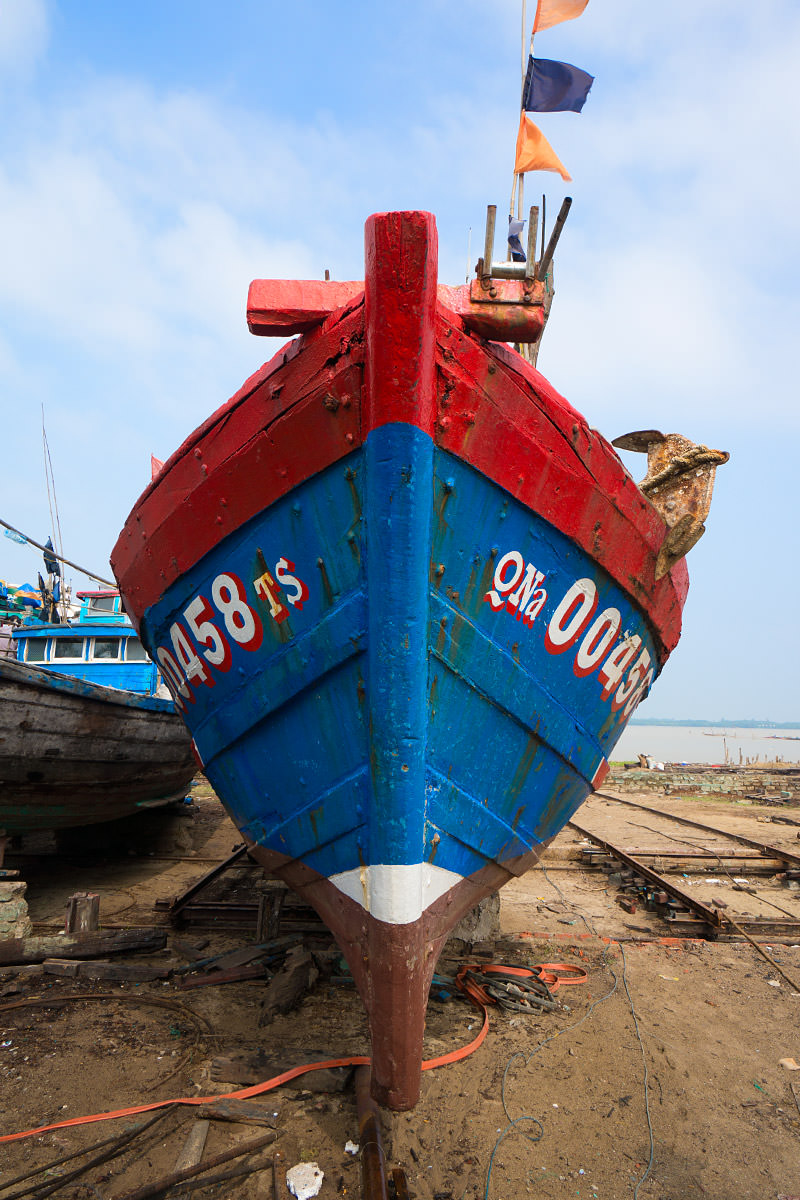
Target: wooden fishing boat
99, 644
406, 599
76, 753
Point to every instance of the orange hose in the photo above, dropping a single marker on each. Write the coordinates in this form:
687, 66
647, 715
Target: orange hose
552, 975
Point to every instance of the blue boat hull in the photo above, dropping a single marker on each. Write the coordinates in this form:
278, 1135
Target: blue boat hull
405, 601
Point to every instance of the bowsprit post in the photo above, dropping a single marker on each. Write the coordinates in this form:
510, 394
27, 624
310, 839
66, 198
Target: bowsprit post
406, 600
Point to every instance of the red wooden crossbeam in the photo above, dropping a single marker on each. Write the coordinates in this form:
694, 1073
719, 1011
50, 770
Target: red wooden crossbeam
510, 310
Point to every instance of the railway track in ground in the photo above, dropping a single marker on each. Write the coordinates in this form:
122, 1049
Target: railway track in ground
668, 877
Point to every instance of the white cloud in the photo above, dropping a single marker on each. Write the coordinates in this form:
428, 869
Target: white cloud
132, 218
24, 34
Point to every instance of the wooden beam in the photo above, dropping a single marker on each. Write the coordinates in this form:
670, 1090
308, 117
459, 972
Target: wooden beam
80, 945
511, 310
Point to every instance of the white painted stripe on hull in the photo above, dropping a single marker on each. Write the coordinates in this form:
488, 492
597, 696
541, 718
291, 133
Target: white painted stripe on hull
396, 894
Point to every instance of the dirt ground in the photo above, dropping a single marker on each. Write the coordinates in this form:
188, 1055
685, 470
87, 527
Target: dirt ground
682, 1039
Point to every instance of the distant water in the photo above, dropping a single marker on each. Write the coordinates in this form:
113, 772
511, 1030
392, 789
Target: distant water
720, 744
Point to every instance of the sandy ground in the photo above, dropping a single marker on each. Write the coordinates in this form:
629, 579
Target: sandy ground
682, 1040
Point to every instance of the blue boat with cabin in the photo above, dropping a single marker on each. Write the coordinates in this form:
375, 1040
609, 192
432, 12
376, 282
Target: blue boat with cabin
99, 645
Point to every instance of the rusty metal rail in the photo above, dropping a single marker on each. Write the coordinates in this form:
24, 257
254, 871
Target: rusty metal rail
709, 916
707, 922
763, 848
187, 896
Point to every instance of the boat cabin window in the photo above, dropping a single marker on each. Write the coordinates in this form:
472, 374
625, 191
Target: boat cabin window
35, 649
102, 604
106, 648
66, 648
134, 650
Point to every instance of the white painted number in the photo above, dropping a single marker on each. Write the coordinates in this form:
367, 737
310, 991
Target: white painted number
217, 651
242, 624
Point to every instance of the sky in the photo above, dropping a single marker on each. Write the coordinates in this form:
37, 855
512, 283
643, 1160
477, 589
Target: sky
156, 157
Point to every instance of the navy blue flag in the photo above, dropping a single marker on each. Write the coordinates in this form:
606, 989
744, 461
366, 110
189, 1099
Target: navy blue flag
515, 228
554, 86
50, 562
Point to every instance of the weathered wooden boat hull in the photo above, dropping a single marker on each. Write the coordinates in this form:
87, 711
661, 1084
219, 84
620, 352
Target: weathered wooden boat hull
406, 600
74, 753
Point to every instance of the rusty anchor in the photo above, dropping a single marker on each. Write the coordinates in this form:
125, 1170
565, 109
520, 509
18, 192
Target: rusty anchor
679, 483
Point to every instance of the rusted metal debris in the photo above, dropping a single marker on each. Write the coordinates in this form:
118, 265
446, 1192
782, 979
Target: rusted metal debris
400, 1183
279, 1189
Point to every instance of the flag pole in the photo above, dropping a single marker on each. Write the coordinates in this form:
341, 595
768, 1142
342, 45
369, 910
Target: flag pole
521, 189
518, 192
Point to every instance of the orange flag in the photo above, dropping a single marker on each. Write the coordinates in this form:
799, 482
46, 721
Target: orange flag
534, 152
553, 12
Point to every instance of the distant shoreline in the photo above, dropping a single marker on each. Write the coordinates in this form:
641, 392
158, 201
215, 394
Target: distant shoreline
724, 724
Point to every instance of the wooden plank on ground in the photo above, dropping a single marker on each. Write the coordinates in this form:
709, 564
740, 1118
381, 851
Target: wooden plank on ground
80, 945
193, 1147
244, 1111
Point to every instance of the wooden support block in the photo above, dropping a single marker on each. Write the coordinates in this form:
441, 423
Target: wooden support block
83, 913
60, 966
270, 903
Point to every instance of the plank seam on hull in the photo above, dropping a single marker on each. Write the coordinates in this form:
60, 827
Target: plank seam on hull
224, 731
526, 839
542, 732
266, 837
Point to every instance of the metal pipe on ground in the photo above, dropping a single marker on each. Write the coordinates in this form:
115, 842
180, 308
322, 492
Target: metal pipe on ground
373, 1164
155, 1187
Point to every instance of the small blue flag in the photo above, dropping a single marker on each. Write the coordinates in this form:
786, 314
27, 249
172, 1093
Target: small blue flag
16, 536
554, 86
514, 244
